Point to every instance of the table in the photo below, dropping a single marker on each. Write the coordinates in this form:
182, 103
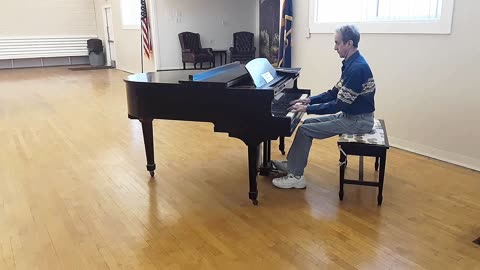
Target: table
222, 54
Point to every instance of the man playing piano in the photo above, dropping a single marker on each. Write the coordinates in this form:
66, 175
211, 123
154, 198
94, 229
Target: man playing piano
347, 108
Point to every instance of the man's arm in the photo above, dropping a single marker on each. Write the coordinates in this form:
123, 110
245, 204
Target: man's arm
348, 90
322, 108
325, 96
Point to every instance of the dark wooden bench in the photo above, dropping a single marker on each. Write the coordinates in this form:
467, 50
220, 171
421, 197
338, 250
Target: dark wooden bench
374, 144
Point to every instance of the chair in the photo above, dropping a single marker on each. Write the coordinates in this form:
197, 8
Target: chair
192, 51
243, 49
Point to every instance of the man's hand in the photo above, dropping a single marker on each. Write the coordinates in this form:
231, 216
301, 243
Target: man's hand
304, 101
298, 107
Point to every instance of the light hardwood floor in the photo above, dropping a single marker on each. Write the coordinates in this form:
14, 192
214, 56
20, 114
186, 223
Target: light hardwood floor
75, 194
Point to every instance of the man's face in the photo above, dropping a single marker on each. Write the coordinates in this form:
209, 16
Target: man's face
342, 48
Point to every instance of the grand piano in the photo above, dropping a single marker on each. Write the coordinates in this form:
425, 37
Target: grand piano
249, 102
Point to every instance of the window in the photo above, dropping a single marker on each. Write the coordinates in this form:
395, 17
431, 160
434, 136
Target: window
383, 16
130, 10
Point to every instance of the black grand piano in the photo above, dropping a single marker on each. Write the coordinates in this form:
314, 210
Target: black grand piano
249, 102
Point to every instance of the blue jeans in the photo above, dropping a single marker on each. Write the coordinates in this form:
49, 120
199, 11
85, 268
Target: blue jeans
323, 127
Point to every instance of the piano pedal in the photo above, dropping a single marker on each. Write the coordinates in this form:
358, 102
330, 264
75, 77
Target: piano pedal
270, 171
264, 171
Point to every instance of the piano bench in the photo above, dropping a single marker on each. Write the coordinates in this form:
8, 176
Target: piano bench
373, 144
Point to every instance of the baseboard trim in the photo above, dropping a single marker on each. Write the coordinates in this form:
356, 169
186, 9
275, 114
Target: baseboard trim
442, 155
446, 156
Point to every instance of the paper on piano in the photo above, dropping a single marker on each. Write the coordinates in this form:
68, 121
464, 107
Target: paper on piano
267, 76
258, 69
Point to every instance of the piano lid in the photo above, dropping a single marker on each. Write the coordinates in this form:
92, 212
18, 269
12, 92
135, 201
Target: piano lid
161, 77
261, 72
222, 76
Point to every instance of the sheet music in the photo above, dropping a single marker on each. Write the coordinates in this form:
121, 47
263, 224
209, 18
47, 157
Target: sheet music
261, 71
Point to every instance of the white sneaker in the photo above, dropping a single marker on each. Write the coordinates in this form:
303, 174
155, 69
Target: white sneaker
289, 181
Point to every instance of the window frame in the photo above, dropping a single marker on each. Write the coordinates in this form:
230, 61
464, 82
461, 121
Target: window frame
442, 26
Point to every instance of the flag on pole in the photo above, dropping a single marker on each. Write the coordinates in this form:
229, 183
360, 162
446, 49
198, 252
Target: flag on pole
285, 51
146, 34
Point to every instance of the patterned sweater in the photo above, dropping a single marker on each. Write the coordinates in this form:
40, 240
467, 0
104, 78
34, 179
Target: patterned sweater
353, 94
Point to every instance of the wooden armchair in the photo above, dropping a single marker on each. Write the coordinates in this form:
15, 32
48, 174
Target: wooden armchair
192, 51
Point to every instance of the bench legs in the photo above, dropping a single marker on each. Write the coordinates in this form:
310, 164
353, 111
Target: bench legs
381, 177
343, 164
380, 162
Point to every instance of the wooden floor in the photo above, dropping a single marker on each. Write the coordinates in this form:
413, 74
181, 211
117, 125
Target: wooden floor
75, 194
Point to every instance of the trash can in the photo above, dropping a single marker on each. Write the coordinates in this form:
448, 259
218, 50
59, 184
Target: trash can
95, 52
96, 59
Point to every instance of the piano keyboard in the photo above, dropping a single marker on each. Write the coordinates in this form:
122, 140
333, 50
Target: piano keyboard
281, 104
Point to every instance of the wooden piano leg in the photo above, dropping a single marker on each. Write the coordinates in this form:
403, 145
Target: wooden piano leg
281, 146
148, 141
252, 171
266, 167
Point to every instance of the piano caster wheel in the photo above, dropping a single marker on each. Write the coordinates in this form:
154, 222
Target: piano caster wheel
283, 153
253, 196
151, 169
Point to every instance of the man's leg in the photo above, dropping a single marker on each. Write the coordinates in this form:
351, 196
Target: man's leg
321, 118
298, 155
282, 165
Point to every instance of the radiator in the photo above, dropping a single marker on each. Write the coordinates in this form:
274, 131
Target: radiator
43, 47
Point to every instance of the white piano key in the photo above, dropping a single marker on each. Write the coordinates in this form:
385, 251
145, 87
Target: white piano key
291, 114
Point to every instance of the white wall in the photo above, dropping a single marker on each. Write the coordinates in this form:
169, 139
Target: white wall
204, 17
47, 18
215, 20
428, 86
127, 41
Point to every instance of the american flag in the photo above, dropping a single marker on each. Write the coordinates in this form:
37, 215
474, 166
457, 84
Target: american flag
146, 35
285, 52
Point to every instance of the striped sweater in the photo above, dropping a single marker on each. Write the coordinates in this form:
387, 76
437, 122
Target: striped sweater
353, 94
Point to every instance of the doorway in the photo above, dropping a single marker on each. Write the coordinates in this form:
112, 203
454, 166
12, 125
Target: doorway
109, 36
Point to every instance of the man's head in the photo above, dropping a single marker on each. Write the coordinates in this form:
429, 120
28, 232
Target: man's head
346, 40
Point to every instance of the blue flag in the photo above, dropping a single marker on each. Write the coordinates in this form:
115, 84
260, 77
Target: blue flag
285, 51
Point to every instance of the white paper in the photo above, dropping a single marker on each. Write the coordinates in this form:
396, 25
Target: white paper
267, 77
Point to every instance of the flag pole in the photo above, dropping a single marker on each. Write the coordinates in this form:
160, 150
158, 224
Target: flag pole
141, 40
141, 48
